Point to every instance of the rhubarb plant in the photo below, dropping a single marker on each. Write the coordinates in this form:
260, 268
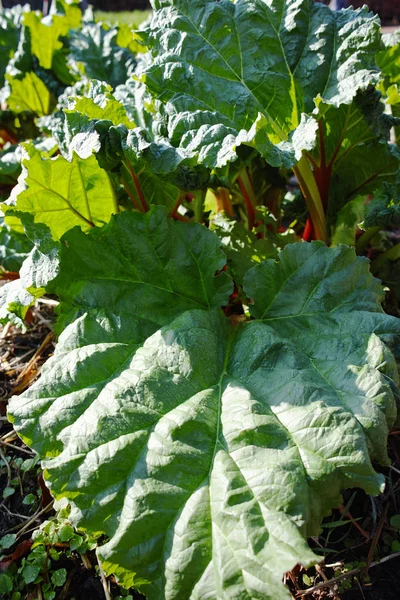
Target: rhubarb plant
222, 372
208, 448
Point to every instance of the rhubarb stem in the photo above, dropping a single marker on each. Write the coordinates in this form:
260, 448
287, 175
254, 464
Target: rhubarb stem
365, 239
309, 188
249, 197
138, 188
198, 204
224, 202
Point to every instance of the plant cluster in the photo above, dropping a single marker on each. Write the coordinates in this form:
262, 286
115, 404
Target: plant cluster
190, 192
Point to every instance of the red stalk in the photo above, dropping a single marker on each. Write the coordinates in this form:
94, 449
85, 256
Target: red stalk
309, 233
224, 202
174, 212
322, 174
250, 210
131, 196
138, 188
8, 275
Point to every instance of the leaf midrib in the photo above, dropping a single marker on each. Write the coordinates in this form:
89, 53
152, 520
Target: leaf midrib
275, 126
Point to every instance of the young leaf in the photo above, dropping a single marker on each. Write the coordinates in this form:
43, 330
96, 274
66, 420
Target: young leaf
10, 165
6, 583
62, 193
348, 221
209, 451
15, 302
388, 59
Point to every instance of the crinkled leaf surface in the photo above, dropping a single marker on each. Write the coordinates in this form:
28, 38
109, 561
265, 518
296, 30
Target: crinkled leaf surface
97, 50
384, 208
208, 452
219, 65
152, 172
151, 162
62, 193
82, 127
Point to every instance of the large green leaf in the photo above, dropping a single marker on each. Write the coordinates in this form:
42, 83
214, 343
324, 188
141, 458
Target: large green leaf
97, 50
29, 93
46, 32
220, 65
62, 193
207, 452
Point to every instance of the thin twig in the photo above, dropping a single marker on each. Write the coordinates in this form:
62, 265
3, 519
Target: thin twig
5, 331
376, 538
13, 514
18, 359
360, 588
34, 518
24, 450
86, 562
320, 572
9, 435
9, 474
20, 380
354, 522
105, 584
328, 583
47, 301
